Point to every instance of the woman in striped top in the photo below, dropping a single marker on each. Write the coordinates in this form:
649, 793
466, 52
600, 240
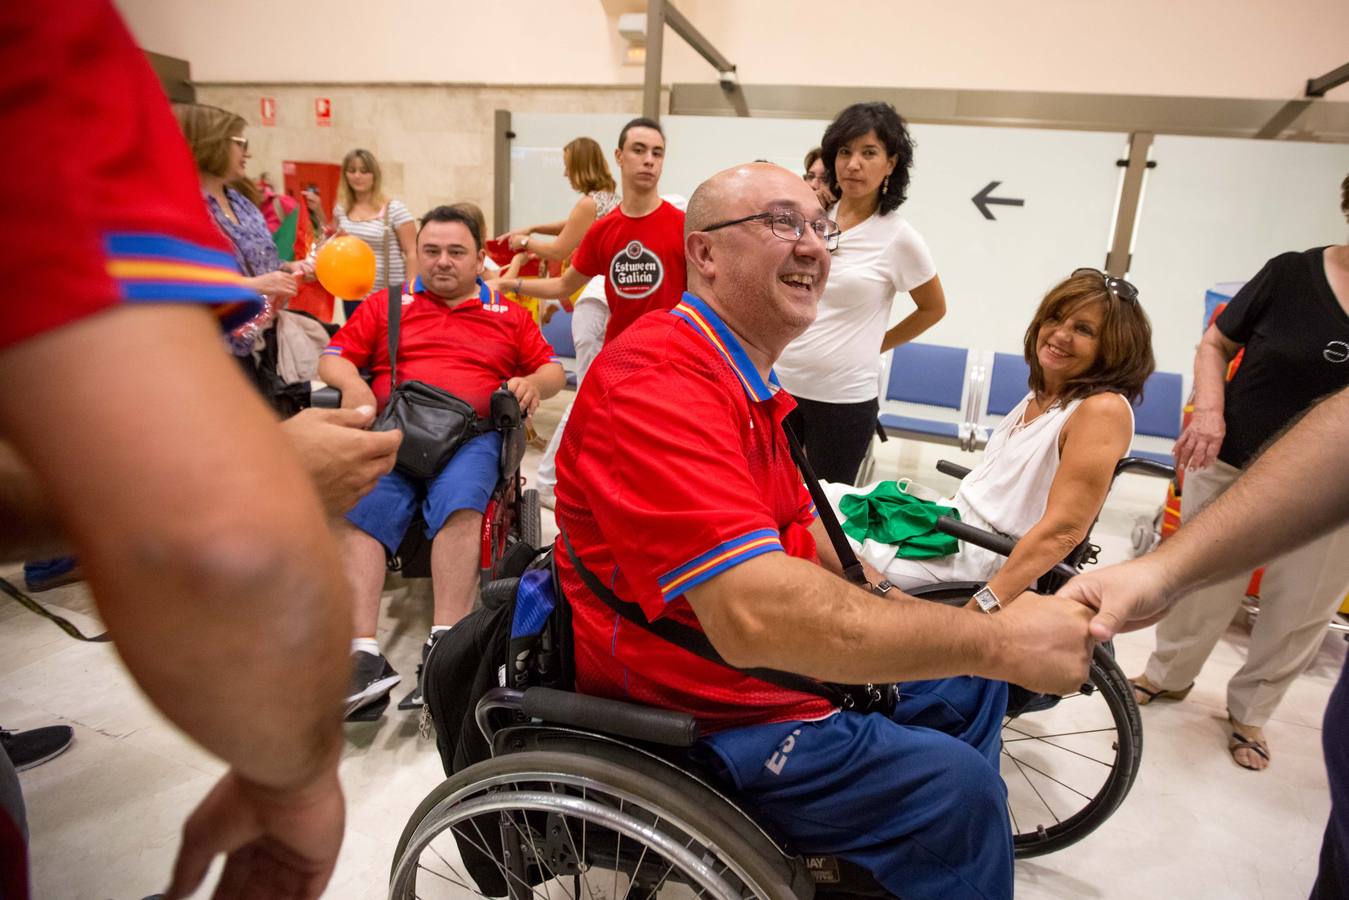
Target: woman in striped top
384, 224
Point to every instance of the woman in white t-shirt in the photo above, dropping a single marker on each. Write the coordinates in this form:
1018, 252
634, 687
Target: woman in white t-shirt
384, 224
833, 370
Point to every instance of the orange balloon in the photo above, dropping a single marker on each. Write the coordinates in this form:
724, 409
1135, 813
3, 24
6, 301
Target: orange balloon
345, 266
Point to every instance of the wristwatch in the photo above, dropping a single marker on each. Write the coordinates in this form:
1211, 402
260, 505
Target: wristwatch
987, 600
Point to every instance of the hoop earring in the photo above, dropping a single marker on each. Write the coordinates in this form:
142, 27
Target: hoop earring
885, 184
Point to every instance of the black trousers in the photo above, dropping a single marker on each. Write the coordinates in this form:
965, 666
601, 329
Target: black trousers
836, 436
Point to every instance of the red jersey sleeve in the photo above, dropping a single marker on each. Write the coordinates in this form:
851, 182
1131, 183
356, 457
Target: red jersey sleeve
587, 258
357, 339
533, 348
671, 480
808, 513
109, 209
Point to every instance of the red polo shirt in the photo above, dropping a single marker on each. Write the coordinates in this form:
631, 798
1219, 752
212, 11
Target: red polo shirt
468, 349
105, 206
641, 259
674, 468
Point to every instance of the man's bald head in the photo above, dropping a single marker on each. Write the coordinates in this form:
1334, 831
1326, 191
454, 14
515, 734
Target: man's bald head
756, 252
712, 199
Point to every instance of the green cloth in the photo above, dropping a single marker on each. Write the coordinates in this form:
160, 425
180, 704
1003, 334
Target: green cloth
890, 516
284, 236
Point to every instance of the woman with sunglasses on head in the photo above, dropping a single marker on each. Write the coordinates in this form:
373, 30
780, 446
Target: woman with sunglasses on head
833, 369
1291, 325
220, 150
386, 225
1049, 463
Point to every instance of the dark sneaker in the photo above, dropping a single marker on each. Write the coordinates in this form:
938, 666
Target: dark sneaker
36, 745
45, 574
371, 678
414, 698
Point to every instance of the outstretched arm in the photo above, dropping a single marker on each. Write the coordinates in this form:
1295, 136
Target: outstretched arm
1095, 438
1296, 490
210, 560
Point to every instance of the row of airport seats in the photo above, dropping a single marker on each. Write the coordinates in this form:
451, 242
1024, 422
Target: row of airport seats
954, 396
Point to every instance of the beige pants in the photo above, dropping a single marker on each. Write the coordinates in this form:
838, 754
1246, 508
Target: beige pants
1299, 594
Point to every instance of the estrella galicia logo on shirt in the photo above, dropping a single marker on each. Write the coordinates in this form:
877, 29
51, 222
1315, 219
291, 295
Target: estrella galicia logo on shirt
635, 272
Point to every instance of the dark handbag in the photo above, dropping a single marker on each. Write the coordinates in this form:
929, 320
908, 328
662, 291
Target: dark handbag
434, 422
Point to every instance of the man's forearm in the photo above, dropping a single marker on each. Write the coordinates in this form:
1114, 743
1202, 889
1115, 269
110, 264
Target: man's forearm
548, 380
340, 373
834, 631
200, 534
1297, 489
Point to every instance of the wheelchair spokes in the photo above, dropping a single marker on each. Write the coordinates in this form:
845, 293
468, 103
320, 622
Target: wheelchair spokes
556, 836
1069, 765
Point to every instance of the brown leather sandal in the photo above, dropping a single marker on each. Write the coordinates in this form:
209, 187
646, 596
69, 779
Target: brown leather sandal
1154, 693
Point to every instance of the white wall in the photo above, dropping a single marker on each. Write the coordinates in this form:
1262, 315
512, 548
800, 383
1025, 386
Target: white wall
1215, 48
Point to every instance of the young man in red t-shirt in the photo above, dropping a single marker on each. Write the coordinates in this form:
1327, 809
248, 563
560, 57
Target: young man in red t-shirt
455, 334
638, 247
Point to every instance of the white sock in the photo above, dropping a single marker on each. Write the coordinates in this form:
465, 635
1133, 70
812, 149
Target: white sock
436, 631
366, 645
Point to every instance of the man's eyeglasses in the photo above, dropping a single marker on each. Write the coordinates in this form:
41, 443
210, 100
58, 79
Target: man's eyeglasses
790, 226
242, 142
1115, 287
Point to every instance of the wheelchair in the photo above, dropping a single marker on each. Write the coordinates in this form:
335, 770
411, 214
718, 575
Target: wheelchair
512, 523
590, 791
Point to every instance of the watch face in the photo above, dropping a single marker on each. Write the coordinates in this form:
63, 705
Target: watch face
987, 600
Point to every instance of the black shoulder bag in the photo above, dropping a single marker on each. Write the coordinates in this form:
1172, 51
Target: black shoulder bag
862, 698
434, 422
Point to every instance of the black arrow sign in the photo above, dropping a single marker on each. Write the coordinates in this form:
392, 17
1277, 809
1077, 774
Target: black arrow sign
983, 201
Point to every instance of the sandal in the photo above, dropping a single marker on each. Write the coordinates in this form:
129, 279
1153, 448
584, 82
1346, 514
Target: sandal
1238, 741
1156, 693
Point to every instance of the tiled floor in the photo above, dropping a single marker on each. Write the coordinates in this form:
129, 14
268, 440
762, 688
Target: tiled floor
105, 816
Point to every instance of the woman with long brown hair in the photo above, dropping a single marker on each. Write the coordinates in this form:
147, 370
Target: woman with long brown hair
1049, 463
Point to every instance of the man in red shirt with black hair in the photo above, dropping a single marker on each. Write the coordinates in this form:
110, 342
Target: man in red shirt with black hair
638, 247
676, 491
126, 430
456, 334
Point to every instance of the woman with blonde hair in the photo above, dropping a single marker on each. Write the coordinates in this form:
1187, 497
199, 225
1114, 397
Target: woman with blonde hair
384, 224
220, 150
585, 168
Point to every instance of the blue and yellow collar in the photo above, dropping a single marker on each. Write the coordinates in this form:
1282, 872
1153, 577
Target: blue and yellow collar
709, 325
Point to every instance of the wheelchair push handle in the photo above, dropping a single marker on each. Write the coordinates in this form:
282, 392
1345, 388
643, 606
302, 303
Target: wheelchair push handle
997, 543
955, 470
1142, 466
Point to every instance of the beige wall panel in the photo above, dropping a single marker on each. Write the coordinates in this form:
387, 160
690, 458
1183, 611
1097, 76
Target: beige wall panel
433, 142
1203, 48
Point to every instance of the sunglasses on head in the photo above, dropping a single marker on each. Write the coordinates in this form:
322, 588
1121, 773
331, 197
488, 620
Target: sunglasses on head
1115, 287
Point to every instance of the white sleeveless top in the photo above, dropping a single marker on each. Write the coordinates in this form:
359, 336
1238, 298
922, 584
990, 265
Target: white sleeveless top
1009, 489
1007, 492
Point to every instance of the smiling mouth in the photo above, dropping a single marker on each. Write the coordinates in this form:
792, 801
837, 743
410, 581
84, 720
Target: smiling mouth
1056, 352
798, 281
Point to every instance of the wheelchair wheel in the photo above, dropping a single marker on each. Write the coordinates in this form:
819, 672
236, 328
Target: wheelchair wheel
1068, 762
531, 520
577, 824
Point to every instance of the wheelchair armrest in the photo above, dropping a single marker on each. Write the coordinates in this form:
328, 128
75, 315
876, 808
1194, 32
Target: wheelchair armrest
505, 409
612, 717
997, 543
956, 470
1142, 466
325, 397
